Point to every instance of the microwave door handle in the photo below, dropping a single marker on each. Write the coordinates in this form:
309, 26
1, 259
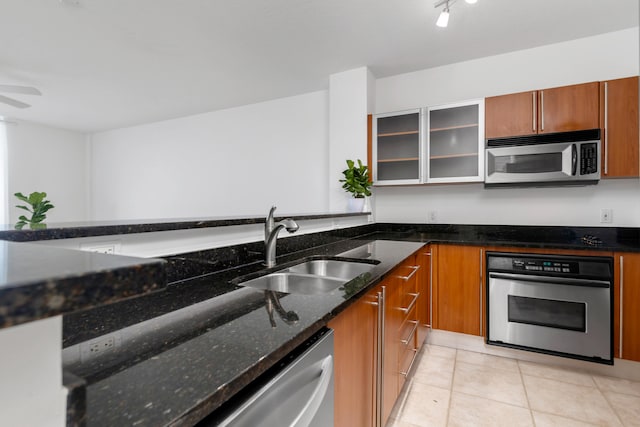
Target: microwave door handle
574, 159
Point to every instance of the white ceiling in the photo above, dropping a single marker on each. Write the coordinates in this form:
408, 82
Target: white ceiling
107, 64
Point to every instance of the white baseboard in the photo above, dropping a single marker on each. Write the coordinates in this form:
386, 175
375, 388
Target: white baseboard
625, 369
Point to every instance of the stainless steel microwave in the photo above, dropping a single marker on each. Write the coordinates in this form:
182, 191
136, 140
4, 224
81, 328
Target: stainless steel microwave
538, 160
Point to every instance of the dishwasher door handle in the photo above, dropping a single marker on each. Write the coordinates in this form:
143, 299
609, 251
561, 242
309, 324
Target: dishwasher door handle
309, 410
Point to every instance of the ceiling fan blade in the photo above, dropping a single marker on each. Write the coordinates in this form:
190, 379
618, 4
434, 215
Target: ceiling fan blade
25, 90
13, 102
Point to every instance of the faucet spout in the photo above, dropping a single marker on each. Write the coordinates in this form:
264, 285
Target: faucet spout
271, 230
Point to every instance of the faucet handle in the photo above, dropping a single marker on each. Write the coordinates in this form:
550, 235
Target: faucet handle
269, 223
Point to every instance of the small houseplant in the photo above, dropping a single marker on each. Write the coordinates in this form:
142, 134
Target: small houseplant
38, 208
356, 181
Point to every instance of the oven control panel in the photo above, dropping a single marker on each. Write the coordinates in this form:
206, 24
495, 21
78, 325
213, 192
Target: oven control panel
545, 265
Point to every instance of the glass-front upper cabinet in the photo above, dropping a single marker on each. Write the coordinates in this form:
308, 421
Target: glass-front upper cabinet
455, 142
397, 148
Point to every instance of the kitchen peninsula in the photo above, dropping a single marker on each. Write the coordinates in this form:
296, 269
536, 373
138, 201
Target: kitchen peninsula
218, 354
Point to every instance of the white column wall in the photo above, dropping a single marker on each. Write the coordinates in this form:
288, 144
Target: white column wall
602, 57
31, 391
348, 107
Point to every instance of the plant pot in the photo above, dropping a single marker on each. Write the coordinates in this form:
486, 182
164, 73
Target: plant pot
355, 204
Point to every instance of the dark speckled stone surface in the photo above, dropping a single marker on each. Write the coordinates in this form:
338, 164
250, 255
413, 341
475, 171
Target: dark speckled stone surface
106, 228
183, 384
39, 281
223, 340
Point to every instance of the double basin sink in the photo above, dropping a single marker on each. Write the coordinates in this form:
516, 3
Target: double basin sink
316, 276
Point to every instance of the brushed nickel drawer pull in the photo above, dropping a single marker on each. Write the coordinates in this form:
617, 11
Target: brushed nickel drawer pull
415, 268
412, 303
415, 354
413, 331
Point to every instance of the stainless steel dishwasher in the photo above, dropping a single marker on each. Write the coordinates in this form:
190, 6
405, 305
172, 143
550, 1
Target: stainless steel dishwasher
300, 394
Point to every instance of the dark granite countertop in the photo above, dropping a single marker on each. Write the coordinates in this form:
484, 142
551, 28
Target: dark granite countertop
105, 228
39, 281
182, 384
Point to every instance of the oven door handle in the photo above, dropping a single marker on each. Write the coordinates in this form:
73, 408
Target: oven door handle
574, 159
551, 280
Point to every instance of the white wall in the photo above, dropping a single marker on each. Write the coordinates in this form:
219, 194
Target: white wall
348, 108
234, 162
602, 57
31, 391
42, 158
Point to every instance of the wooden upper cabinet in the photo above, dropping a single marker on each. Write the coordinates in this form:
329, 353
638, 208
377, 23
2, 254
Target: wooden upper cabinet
569, 108
511, 115
560, 109
619, 124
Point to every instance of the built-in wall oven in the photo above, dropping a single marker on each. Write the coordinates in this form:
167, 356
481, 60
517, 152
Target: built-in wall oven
560, 305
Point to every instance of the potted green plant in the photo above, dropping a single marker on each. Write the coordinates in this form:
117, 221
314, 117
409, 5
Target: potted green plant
38, 208
356, 181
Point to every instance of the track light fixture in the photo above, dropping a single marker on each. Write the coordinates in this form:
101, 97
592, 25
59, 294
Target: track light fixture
443, 19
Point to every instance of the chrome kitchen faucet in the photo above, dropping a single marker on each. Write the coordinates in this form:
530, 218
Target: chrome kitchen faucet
271, 231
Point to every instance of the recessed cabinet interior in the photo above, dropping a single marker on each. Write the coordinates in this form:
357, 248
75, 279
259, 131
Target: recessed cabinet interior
397, 148
455, 143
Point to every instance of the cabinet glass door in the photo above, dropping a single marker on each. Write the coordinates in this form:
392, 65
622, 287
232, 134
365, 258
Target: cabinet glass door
397, 148
455, 142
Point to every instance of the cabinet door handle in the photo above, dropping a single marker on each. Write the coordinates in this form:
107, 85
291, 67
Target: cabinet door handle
430, 291
415, 353
411, 304
606, 125
406, 278
413, 330
541, 110
621, 301
535, 107
481, 301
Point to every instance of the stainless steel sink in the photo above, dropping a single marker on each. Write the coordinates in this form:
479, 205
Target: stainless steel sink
345, 270
310, 277
293, 283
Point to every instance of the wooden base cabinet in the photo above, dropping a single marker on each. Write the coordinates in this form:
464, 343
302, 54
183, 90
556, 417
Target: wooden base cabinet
355, 344
370, 374
458, 298
627, 306
424, 300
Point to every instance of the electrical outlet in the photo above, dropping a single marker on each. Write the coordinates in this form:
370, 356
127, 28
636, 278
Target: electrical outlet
432, 216
103, 247
99, 347
606, 216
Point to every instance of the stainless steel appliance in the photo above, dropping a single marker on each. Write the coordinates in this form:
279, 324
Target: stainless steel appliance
299, 395
549, 159
560, 305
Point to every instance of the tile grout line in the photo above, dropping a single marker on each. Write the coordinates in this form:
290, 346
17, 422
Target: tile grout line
607, 400
455, 363
526, 395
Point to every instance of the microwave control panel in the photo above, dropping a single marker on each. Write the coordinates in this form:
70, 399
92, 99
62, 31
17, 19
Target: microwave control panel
588, 158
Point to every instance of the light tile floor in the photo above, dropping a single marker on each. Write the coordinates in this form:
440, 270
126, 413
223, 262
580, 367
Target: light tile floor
458, 388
